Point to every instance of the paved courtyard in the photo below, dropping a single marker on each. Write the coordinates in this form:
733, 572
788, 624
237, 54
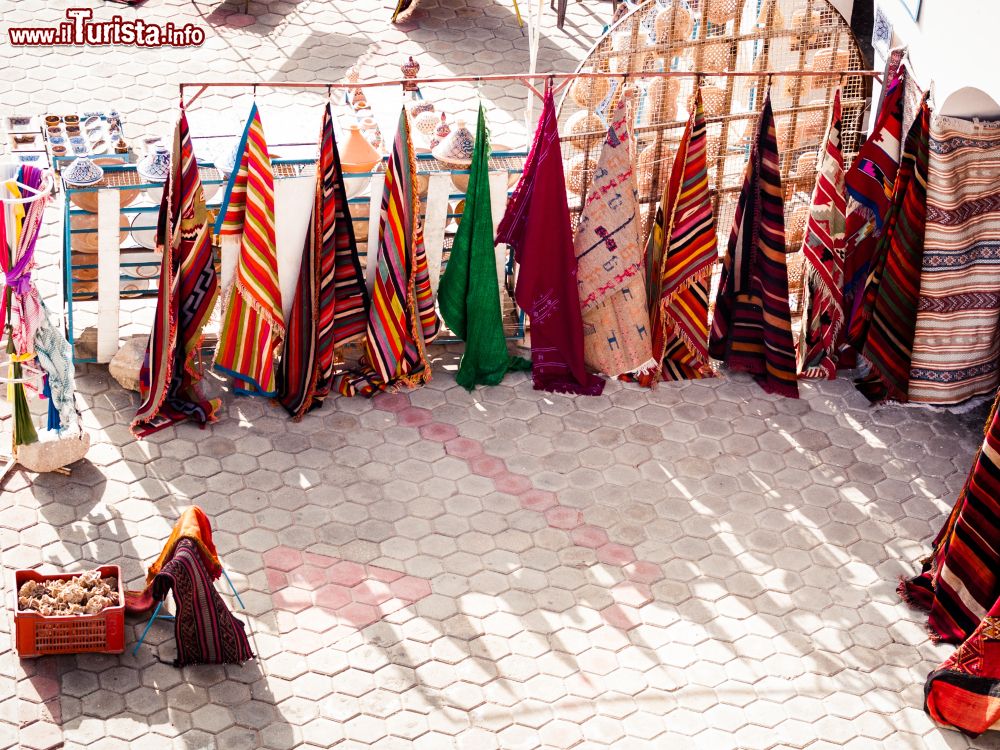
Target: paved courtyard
701, 565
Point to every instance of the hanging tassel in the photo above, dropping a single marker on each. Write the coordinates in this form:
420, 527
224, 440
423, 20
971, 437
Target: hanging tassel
24, 430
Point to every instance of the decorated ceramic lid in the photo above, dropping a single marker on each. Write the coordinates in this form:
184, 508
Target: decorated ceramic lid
155, 166
82, 172
457, 147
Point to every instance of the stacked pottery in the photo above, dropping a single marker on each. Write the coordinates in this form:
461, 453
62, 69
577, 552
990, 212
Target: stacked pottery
357, 157
455, 152
440, 132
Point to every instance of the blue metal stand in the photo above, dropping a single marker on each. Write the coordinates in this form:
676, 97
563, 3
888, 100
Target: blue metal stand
169, 618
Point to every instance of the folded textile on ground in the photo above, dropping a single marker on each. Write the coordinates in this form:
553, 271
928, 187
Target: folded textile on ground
959, 586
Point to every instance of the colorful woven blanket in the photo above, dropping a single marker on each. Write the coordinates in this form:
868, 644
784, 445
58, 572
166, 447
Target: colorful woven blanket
681, 253
823, 248
469, 293
193, 525
752, 326
959, 585
537, 227
883, 328
331, 300
402, 319
870, 182
205, 630
169, 380
608, 252
956, 346
252, 324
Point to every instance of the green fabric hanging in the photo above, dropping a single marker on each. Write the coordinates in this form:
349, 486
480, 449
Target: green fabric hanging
469, 294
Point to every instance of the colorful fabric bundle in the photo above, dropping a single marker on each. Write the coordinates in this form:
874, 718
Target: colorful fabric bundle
193, 525
609, 262
536, 225
959, 585
752, 326
469, 293
883, 328
331, 300
870, 183
32, 334
680, 255
956, 346
205, 630
823, 248
402, 319
169, 379
252, 324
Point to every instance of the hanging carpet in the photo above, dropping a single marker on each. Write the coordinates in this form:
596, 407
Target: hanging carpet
752, 325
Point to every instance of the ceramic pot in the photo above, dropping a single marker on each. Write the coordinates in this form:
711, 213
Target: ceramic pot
155, 166
358, 155
82, 172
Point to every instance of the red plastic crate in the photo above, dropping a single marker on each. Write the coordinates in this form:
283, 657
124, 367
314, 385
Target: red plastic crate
37, 635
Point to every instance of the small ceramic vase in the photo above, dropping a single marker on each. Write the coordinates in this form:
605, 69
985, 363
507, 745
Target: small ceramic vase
440, 132
410, 70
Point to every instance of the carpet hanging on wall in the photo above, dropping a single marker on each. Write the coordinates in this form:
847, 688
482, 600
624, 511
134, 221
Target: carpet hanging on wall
536, 226
331, 300
870, 182
823, 248
956, 346
402, 319
253, 325
752, 325
883, 328
612, 288
170, 379
469, 294
681, 253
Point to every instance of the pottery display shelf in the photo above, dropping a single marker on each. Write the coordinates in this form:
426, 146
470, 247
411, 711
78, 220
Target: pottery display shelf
104, 265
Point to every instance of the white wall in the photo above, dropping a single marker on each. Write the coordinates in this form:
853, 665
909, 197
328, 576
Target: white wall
955, 45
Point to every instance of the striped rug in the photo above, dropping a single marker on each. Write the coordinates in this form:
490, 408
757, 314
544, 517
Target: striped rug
956, 347
823, 248
681, 253
331, 299
752, 326
959, 585
402, 319
883, 328
252, 324
870, 182
169, 379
